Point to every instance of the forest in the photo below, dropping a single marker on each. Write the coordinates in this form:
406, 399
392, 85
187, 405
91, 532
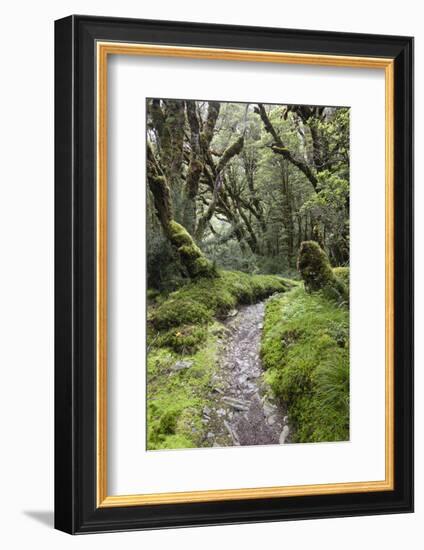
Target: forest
247, 273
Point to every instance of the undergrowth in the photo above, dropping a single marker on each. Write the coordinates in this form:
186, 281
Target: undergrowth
305, 351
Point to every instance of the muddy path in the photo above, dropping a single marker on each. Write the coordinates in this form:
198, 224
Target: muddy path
243, 411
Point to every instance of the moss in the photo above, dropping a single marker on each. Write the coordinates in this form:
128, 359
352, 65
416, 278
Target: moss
175, 312
183, 324
190, 254
185, 339
315, 269
176, 398
305, 351
231, 151
342, 273
200, 300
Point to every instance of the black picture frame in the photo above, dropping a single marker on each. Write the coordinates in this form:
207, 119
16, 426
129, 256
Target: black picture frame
76, 510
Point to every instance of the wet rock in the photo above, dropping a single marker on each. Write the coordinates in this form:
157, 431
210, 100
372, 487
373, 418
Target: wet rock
232, 432
269, 409
181, 365
284, 434
271, 420
237, 404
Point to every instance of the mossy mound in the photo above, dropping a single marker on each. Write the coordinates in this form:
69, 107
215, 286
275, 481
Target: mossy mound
185, 339
201, 300
305, 351
315, 269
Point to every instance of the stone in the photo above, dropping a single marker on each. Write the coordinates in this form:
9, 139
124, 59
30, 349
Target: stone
271, 419
210, 435
284, 434
221, 412
206, 410
232, 432
268, 409
181, 365
237, 404
232, 313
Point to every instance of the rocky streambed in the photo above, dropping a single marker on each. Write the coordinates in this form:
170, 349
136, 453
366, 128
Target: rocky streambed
242, 410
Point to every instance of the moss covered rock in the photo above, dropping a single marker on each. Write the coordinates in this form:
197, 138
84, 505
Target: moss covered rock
315, 269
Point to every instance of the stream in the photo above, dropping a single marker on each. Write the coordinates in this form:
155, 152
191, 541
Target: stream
243, 410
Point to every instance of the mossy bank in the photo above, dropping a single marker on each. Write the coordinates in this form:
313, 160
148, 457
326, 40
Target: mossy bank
305, 351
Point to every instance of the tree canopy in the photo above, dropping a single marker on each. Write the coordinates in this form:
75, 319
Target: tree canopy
240, 186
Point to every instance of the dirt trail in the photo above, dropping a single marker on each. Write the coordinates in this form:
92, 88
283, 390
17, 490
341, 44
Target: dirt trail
245, 413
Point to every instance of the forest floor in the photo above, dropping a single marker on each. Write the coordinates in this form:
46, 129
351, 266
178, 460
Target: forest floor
256, 361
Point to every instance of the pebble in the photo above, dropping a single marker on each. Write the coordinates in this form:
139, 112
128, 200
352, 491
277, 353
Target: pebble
269, 409
271, 419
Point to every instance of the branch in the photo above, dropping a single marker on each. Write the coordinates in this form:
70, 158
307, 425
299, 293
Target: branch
280, 148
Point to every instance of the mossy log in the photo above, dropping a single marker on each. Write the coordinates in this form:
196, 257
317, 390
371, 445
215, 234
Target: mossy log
315, 269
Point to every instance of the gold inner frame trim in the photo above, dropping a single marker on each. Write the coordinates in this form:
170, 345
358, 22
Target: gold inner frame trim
103, 50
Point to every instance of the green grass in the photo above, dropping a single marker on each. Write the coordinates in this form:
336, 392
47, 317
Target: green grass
305, 351
185, 325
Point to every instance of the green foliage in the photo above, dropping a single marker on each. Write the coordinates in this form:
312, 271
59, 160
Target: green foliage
263, 204
305, 351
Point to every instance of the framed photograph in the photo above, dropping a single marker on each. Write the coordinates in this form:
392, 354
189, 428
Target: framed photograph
233, 273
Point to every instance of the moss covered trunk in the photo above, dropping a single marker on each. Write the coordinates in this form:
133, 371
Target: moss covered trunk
314, 267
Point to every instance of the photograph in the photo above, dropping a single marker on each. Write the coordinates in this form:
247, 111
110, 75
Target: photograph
247, 260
